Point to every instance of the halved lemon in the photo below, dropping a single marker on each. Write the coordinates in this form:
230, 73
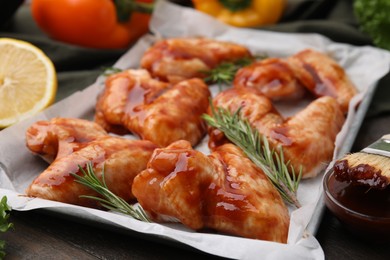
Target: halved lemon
28, 81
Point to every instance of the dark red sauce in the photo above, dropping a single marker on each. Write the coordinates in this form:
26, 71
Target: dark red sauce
361, 174
216, 138
136, 97
323, 86
281, 134
360, 198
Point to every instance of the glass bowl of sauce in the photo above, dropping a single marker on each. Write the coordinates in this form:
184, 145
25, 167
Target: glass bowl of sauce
363, 210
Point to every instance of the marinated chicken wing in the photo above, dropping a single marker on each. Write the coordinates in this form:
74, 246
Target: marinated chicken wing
288, 78
184, 58
153, 110
121, 158
307, 138
255, 107
224, 191
61, 136
114, 101
322, 76
273, 77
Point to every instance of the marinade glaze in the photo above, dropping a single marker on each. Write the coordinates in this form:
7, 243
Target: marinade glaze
122, 160
367, 192
153, 110
223, 191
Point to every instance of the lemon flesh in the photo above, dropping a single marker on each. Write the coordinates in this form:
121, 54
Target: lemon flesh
28, 82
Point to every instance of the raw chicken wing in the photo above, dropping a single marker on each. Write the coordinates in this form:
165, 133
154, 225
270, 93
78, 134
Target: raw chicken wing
112, 102
224, 191
289, 78
153, 110
121, 158
273, 77
61, 136
184, 58
307, 138
255, 107
323, 76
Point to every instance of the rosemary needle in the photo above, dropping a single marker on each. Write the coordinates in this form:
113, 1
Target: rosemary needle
110, 200
256, 147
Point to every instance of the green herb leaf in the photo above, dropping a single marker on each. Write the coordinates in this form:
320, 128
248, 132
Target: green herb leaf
4, 223
225, 72
110, 200
373, 18
256, 147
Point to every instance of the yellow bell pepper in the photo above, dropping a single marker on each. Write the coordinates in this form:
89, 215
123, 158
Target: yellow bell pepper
243, 13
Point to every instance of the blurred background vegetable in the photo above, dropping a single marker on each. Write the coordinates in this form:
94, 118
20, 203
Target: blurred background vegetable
374, 19
243, 13
106, 24
4, 223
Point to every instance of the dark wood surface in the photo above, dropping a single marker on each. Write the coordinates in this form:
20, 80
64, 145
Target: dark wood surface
38, 235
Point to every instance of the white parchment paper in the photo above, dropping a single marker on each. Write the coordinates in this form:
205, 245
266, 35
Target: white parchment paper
364, 65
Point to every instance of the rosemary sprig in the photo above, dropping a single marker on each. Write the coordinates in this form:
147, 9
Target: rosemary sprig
256, 147
110, 200
225, 72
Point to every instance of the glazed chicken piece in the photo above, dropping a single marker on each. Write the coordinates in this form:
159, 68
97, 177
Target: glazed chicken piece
307, 138
288, 78
153, 110
323, 76
273, 77
184, 58
121, 158
255, 107
59, 137
112, 103
224, 191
